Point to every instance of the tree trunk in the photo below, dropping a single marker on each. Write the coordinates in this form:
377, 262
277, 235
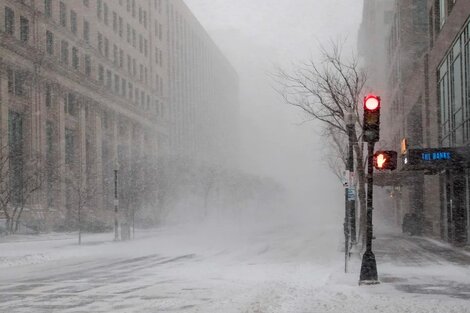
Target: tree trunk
79, 226
18, 219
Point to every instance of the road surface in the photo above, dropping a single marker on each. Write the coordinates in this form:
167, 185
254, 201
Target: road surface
196, 269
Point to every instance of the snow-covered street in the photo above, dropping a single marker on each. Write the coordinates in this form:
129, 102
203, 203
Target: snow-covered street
278, 268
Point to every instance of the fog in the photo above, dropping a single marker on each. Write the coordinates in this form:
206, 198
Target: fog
258, 36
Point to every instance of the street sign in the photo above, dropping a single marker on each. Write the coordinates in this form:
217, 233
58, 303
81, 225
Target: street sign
351, 194
436, 158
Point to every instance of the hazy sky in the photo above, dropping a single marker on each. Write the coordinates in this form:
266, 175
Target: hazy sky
255, 35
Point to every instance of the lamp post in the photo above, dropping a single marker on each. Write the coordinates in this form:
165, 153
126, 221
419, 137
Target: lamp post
349, 217
350, 124
116, 202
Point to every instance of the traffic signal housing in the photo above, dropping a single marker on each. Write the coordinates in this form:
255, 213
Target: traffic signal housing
386, 160
371, 125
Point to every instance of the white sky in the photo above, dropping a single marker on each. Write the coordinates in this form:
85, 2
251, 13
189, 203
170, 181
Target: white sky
255, 35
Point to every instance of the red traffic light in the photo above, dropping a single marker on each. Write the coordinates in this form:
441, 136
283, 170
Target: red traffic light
385, 160
372, 102
371, 126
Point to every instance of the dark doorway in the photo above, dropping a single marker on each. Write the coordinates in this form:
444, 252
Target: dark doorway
457, 208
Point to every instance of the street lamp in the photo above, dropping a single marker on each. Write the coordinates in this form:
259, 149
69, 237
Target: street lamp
350, 120
349, 218
116, 202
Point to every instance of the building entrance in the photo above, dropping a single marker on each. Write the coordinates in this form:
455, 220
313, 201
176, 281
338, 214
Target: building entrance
456, 206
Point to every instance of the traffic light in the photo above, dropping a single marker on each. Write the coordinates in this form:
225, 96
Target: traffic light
385, 160
371, 124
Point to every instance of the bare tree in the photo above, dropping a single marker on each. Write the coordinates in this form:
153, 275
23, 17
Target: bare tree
326, 90
81, 193
138, 188
22, 178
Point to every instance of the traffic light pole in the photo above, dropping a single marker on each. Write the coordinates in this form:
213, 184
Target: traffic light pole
369, 266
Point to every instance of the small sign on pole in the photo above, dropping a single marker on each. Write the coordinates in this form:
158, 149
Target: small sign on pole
351, 194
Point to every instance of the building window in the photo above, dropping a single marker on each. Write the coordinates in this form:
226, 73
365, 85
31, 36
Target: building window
73, 21
15, 144
49, 140
134, 38
117, 83
63, 14
445, 7
115, 55
99, 8
86, 31
101, 74
121, 27
64, 51
48, 94
145, 19
50, 159
87, 65
158, 87
48, 8
11, 81
128, 5
69, 146
133, 8
71, 104
141, 44
129, 64
128, 33
105, 13
454, 88
131, 90
100, 43
49, 43
121, 58
115, 22
86, 3
134, 67
24, 29
75, 58
109, 79
106, 47
123, 87
20, 82
9, 21
16, 82
145, 47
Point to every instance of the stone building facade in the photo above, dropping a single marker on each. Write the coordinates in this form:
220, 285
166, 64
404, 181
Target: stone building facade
85, 85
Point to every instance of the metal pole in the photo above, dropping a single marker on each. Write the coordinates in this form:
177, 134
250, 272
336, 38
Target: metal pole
369, 265
133, 222
351, 203
346, 231
116, 224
